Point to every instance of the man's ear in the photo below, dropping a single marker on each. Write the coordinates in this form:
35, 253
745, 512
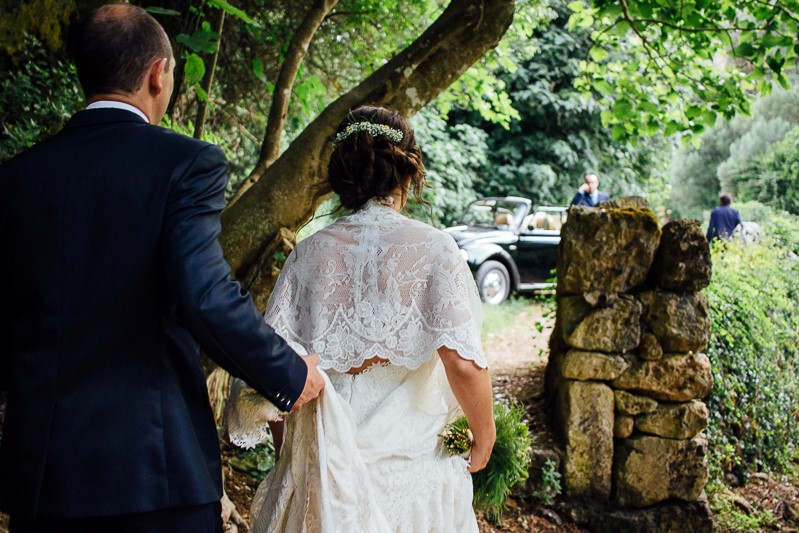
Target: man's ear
154, 76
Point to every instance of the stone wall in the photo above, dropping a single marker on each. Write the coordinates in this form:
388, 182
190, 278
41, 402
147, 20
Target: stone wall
627, 374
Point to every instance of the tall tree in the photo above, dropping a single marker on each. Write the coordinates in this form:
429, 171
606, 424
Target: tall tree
282, 193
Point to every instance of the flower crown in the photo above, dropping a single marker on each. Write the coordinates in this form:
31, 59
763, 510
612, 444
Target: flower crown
372, 129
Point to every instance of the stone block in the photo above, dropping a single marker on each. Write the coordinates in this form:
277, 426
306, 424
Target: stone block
669, 517
649, 348
648, 470
614, 329
682, 261
584, 422
675, 378
679, 321
675, 420
632, 404
594, 239
623, 426
586, 366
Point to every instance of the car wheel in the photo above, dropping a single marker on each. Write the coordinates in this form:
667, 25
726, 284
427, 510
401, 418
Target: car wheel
493, 282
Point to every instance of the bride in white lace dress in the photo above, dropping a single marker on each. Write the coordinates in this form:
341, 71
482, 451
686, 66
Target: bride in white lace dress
391, 308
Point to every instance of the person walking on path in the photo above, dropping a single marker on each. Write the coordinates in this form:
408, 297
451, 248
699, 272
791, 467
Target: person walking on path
723, 219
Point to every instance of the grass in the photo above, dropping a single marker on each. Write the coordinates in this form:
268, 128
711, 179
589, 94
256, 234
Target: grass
499, 317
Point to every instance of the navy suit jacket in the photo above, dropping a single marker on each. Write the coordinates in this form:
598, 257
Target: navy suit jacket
112, 274
723, 221
585, 199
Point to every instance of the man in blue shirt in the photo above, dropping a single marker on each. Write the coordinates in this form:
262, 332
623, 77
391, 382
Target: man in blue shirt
723, 220
589, 193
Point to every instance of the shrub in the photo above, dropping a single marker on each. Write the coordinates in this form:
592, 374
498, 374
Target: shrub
754, 350
36, 99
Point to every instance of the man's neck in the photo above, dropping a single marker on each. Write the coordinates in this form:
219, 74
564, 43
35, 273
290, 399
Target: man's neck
131, 100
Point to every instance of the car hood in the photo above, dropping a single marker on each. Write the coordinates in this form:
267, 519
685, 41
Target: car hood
464, 235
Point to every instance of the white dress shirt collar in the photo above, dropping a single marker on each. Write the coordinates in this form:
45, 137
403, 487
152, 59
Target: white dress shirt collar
110, 104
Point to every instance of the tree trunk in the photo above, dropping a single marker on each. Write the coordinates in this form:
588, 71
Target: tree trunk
270, 148
282, 193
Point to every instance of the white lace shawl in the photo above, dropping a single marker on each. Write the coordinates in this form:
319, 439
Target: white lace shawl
376, 283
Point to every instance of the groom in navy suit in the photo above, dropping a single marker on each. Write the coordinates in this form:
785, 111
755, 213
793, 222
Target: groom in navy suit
112, 276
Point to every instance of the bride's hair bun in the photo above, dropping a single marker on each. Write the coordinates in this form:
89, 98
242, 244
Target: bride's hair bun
366, 165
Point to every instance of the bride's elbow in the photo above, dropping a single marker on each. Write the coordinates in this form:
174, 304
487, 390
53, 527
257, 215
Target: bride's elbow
458, 366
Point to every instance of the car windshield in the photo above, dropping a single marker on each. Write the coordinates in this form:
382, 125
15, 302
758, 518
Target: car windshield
493, 213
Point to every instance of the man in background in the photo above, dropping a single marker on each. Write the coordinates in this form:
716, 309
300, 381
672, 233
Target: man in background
589, 193
723, 220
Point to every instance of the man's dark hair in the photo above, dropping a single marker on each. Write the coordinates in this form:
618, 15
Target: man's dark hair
725, 198
115, 45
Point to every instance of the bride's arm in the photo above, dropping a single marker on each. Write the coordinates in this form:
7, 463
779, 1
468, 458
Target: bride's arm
472, 388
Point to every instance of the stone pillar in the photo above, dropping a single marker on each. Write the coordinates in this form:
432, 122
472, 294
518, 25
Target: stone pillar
626, 373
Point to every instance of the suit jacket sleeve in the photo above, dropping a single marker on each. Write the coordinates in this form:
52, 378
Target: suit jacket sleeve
577, 197
217, 311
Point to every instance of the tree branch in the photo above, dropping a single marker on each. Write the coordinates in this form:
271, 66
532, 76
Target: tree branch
202, 108
464, 32
270, 149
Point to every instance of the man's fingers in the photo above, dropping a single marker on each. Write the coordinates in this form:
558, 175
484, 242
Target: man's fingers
314, 383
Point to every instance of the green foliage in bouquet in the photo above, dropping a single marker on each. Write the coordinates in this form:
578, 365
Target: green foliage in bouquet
510, 459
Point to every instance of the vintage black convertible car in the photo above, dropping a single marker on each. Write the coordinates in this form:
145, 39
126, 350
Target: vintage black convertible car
509, 246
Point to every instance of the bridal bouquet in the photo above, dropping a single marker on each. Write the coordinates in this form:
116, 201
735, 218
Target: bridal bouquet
509, 462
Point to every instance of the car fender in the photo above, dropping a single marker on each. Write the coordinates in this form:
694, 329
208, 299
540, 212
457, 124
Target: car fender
480, 253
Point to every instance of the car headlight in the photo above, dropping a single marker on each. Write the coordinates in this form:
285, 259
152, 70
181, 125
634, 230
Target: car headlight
464, 254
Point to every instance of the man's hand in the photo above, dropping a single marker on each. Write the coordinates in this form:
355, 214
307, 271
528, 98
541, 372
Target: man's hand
584, 188
313, 382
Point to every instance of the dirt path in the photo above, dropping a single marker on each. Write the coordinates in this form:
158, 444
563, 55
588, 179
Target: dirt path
517, 357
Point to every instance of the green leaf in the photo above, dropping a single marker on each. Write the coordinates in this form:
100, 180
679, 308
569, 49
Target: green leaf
201, 94
200, 41
672, 127
258, 68
623, 110
598, 54
576, 6
621, 28
744, 50
155, 10
771, 40
230, 10
756, 74
603, 87
774, 64
194, 69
